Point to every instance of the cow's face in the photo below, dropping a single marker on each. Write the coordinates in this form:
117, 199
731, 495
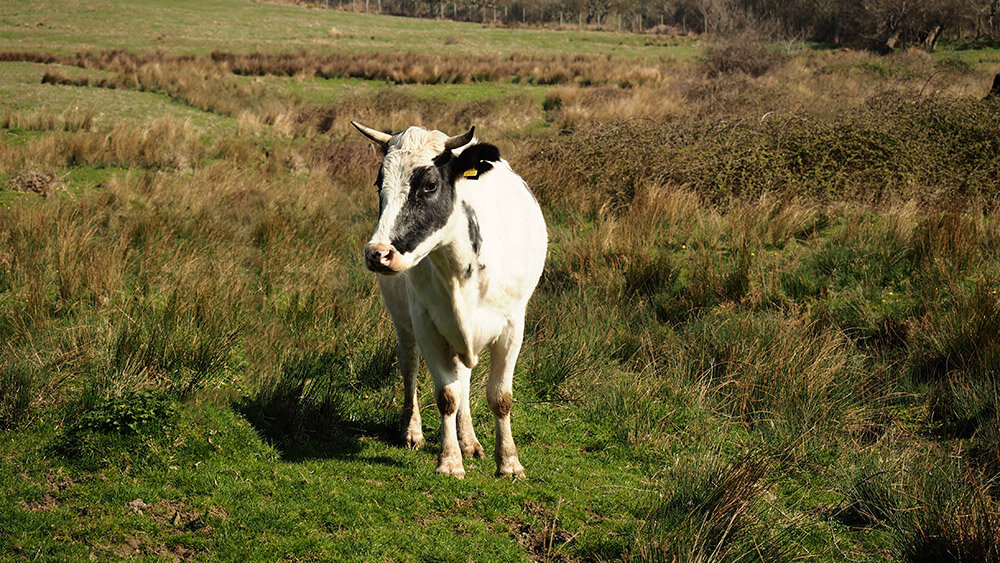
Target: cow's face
416, 197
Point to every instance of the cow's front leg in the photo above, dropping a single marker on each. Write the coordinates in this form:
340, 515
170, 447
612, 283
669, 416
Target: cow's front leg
407, 356
500, 395
448, 374
467, 441
409, 364
450, 459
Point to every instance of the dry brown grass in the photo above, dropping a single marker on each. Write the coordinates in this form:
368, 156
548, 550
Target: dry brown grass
72, 119
165, 143
575, 106
413, 68
399, 67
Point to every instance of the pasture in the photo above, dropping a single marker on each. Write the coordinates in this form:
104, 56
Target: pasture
767, 327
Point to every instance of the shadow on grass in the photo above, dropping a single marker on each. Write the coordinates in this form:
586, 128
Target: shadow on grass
315, 410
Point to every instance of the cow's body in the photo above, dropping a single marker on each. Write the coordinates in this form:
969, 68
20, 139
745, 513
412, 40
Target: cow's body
459, 249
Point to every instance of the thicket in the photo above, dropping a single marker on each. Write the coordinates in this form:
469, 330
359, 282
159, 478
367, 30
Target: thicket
881, 25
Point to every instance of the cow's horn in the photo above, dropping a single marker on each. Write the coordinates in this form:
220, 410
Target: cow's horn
375, 135
460, 140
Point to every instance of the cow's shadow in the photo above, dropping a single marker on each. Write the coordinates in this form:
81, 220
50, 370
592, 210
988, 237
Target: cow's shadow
305, 414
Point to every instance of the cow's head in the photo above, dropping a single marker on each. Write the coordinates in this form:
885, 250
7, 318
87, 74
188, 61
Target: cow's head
416, 186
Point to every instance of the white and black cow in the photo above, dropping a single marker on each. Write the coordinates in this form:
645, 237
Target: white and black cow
458, 250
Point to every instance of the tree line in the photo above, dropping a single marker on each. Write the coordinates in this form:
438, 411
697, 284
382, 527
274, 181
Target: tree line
879, 25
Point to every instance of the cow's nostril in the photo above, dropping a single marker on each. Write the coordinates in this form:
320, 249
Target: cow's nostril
379, 256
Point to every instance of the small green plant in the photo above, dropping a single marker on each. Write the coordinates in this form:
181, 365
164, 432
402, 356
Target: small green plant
118, 427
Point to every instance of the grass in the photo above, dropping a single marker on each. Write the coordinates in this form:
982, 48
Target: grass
187, 27
765, 331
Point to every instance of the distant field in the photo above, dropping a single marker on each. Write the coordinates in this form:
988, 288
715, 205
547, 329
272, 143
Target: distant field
188, 26
767, 329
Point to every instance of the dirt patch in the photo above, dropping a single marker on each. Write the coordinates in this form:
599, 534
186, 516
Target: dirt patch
136, 505
135, 546
178, 515
56, 480
131, 547
175, 552
47, 502
543, 540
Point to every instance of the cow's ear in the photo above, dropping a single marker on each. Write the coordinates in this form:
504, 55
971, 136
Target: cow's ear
474, 161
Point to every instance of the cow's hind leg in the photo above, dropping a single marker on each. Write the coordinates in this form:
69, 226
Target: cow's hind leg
500, 395
467, 441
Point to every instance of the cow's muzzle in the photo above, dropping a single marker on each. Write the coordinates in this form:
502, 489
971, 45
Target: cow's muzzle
381, 259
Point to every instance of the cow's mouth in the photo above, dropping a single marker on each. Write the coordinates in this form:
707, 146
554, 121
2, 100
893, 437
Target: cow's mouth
379, 268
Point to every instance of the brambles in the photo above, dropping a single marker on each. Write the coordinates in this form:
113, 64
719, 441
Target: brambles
42, 183
742, 53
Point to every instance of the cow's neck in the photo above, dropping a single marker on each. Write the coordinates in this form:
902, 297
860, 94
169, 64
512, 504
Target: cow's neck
456, 272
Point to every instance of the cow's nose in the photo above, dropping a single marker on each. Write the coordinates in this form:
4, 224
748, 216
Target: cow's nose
378, 255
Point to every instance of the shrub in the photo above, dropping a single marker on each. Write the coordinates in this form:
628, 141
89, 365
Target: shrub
125, 426
742, 54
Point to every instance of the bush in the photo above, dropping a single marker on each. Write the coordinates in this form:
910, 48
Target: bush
741, 54
128, 426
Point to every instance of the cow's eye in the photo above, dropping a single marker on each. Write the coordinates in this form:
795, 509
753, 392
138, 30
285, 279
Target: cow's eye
429, 187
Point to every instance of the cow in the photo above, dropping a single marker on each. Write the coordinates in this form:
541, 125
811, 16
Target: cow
458, 250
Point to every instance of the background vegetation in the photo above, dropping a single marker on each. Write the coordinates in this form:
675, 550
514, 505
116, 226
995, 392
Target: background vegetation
880, 25
767, 329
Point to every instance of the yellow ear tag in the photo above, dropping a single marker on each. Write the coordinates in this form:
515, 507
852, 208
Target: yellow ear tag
471, 173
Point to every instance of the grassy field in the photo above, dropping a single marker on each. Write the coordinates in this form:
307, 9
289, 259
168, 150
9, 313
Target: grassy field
767, 329
191, 27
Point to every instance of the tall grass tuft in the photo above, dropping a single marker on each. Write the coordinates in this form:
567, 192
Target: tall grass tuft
786, 379
17, 388
711, 511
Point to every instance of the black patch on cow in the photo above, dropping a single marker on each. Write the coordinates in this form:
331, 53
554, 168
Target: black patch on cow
479, 157
474, 236
431, 199
468, 271
428, 205
378, 186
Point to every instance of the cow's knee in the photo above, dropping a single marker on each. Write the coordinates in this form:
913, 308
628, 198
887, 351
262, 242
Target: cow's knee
447, 401
500, 403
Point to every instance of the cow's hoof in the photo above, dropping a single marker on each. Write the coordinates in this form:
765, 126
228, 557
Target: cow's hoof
451, 468
473, 451
511, 468
413, 440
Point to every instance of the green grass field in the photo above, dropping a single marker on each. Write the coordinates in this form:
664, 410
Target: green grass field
767, 329
192, 27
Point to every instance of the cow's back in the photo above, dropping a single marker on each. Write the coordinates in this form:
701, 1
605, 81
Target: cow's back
514, 238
